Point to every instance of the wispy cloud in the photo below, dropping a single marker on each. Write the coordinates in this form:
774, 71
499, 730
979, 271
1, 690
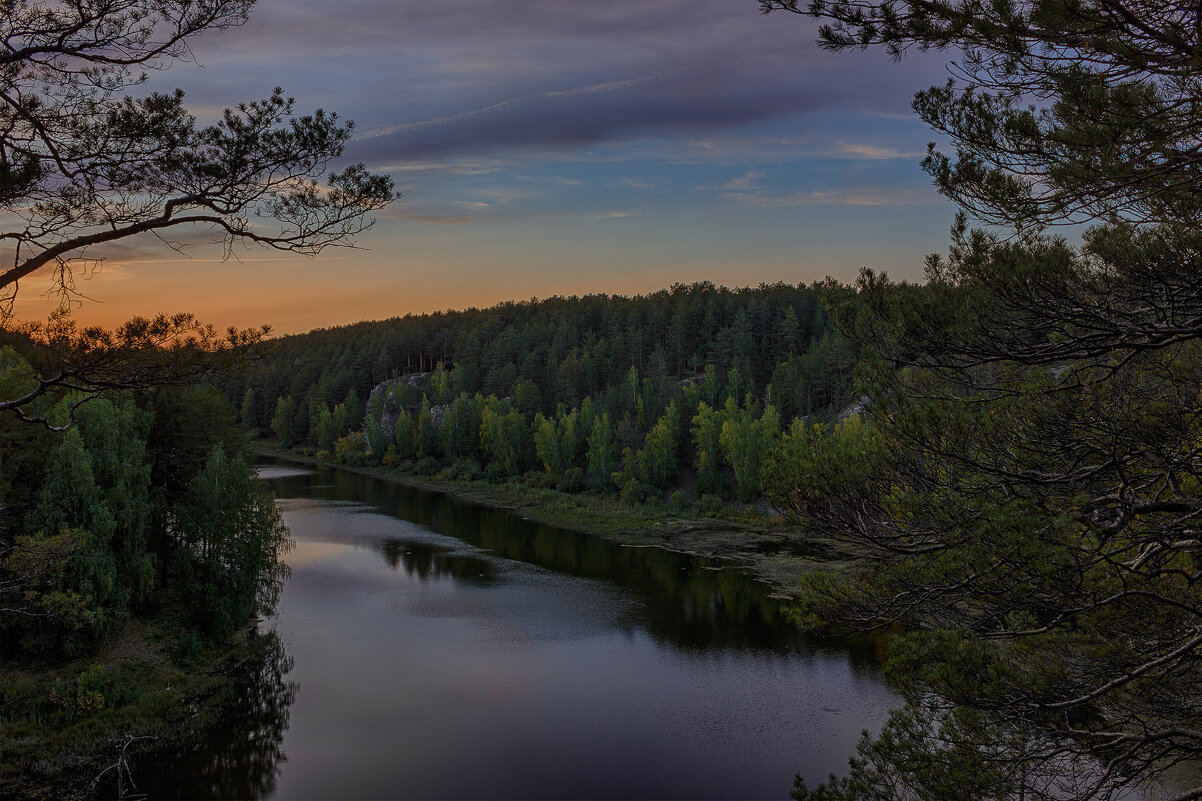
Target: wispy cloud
506, 105
866, 196
745, 182
618, 215
630, 183
855, 150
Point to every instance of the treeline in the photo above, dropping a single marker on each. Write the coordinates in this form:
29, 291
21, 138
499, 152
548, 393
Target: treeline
681, 389
141, 498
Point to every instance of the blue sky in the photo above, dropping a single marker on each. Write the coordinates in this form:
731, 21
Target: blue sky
562, 148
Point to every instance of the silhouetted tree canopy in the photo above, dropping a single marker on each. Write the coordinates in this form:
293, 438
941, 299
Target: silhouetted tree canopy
84, 162
1023, 489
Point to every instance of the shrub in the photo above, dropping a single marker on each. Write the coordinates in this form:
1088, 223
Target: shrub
465, 470
495, 473
635, 491
538, 479
18, 696
391, 457
680, 503
709, 505
350, 450
574, 480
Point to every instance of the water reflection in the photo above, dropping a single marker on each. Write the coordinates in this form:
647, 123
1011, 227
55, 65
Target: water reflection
444, 650
239, 735
687, 601
424, 561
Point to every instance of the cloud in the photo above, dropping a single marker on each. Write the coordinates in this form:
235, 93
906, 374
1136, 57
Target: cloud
866, 196
737, 149
748, 181
506, 105
853, 150
630, 183
666, 104
443, 168
464, 82
617, 215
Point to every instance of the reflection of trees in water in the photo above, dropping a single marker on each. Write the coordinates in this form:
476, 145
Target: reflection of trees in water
237, 746
686, 603
424, 561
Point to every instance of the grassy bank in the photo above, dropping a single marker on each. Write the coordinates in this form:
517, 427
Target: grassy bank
61, 724
753, 539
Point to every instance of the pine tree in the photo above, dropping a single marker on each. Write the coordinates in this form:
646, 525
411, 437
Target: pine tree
1022, 489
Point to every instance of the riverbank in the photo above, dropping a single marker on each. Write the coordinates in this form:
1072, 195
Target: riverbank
62, 726
756, 543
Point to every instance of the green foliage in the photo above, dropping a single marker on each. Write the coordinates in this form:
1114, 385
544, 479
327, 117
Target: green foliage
602, 452
503, 435
248, 414
93, 502
464, 470
351, 449
707, 442
574, 480
641, 365
425, 437
745, 438
1025, 487
630, 356
555, 442
355, 410
527, 398
377, 442
459, 435
657, 459
327, 429
1023, 522
281, 421
405, 435
54, 577
231, 545
440, 391
187, 422
634, 491
100, 528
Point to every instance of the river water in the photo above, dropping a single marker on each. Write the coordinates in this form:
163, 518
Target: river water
429, 648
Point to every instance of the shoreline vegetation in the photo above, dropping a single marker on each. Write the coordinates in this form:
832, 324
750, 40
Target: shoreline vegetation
138, 551
757, 542
62, 726
647, 419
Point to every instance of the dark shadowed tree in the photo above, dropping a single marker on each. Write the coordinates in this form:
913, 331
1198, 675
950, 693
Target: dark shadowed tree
1023, 487
83, 163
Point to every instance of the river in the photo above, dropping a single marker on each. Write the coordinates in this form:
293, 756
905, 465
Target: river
425, 647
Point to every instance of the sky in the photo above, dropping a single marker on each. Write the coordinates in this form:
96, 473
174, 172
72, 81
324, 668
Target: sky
556, 148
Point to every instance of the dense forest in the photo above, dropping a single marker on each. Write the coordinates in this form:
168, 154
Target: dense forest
135, 505
117, 511
684, 389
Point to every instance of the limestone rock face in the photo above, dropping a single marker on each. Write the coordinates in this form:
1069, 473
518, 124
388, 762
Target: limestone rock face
390, 409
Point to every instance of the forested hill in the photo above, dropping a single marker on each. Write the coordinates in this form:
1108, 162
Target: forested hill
631, 357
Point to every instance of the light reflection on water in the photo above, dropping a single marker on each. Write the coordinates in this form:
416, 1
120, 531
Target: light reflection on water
443, 650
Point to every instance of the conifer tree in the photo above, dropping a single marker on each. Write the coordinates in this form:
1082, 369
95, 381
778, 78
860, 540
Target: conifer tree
1024, 484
